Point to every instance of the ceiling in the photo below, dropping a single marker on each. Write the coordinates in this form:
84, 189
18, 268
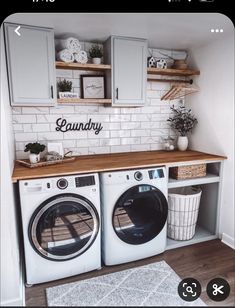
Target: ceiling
163, 30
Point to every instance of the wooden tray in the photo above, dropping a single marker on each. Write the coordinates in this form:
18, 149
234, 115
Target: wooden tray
26, 163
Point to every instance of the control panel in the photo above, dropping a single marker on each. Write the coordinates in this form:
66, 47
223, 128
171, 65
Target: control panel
156, 174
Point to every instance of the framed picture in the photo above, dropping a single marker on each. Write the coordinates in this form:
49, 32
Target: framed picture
93, 86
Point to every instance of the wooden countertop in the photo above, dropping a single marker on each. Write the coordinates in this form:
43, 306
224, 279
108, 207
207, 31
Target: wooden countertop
117, 161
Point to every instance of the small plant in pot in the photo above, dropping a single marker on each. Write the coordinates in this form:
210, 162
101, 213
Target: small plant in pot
183, 122
64, 89
96, 53
35, 149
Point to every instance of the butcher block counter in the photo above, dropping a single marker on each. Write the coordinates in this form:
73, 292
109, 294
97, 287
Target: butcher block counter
116, 161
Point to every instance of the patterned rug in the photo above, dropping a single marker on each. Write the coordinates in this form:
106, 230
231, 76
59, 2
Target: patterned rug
150, 285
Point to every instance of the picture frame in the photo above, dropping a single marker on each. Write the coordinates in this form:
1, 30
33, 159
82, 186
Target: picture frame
93, 86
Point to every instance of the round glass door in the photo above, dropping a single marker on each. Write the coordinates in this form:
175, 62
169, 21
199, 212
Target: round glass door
140, 214
63, 227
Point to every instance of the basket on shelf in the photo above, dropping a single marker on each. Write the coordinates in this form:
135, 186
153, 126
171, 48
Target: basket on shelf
183, 208
187, 172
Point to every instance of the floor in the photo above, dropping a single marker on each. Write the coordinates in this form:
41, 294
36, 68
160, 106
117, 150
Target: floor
202, 261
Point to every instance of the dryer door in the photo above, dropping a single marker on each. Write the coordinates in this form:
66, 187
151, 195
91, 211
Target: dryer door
140, 214
63, 227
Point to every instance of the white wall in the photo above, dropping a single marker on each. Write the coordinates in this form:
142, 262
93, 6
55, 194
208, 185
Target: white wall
214, 108
11, 281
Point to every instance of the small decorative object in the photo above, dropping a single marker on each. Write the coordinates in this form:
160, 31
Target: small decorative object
151, 62
183, 122
161, 63
96, 53
55, 147
92, 86
52, 155
81, 57
34, 149
168, 143
64, 88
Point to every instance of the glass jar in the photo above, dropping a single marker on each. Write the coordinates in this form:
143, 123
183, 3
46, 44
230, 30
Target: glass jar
169, 143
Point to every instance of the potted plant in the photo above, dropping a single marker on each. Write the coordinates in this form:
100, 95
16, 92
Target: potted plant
35, 149
183, 122
64, 88
96, 53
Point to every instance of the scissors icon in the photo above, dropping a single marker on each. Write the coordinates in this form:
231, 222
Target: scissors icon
217, 289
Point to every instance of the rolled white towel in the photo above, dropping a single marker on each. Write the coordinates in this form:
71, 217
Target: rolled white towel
71, 43
81, 57
65, 55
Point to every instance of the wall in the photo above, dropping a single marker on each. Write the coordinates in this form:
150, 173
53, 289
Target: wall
214, 108
11, 292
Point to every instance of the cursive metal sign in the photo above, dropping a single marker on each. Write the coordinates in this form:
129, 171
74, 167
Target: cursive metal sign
63, 126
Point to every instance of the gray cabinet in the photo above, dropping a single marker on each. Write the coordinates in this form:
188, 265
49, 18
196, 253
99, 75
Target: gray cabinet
129, 70
31, 65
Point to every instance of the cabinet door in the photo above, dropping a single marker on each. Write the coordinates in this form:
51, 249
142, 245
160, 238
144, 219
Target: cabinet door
129, 69
31, 65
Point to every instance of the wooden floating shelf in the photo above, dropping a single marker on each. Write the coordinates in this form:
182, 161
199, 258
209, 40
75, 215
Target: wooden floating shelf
84, 100
172, 72
80, 66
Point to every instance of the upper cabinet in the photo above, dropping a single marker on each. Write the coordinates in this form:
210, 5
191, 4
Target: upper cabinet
31, 65
129, 70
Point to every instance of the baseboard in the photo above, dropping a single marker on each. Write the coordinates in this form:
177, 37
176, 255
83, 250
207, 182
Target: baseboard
18, 302
228, 240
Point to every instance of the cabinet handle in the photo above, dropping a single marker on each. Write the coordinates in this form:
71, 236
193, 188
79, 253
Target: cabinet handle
52, 95
116, 93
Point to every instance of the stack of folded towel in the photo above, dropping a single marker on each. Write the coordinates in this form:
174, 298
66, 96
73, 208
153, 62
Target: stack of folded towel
70, 51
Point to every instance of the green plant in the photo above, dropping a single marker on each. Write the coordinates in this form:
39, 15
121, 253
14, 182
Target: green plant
64, 86
182, 121
96, 51
34, 148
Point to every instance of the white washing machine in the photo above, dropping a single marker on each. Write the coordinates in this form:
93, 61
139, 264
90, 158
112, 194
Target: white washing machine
134, 214
61, 226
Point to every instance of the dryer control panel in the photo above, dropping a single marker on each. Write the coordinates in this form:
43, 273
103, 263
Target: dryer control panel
156, 174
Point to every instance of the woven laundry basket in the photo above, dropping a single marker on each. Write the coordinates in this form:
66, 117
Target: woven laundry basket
183, 207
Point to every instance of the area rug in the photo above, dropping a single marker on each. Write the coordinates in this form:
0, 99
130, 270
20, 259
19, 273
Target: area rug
150, 285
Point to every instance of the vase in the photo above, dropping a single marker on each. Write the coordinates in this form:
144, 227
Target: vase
182, 143
96, 60
34, 158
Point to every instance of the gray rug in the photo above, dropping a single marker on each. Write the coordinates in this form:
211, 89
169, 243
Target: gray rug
151, 285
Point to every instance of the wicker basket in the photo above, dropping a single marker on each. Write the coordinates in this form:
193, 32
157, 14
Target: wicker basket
187, 172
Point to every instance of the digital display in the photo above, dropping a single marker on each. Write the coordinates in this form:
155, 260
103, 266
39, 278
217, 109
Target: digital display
156, 174
85, 181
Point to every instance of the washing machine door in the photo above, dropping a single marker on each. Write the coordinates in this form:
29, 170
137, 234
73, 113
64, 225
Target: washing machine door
140, 214
63, 227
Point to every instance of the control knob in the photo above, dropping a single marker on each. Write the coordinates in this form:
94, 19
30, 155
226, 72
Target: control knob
138, 176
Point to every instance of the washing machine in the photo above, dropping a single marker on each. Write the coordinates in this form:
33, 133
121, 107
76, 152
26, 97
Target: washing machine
134, 214
61, 226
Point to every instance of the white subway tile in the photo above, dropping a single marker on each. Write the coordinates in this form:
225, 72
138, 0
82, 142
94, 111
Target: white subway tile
141, 117
26, 137
75, 118
18, 127
50, 136
111, 126
140, 132
164, 124
120, 118
130, 141
120, 148
20, 146
64, 73
153, 94
165, 109
157, 102
156, 147
106, 142
78, 73
160, 132
109, 110
99, 117
140, 147
47, 118
62, 109
28, 128
35, 110
99, 150
151, 109
75, 82
133, 110
130, 125
160, 85
22, 155
147, 140
160, 117
77, 90
69, 143
102, 134
88, 142
41, 127
120, 133
77, 151
16, 110
150, 125
16, 119
75, 134
88, 109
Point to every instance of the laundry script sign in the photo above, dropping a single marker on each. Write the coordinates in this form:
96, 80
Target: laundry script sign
64, 126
